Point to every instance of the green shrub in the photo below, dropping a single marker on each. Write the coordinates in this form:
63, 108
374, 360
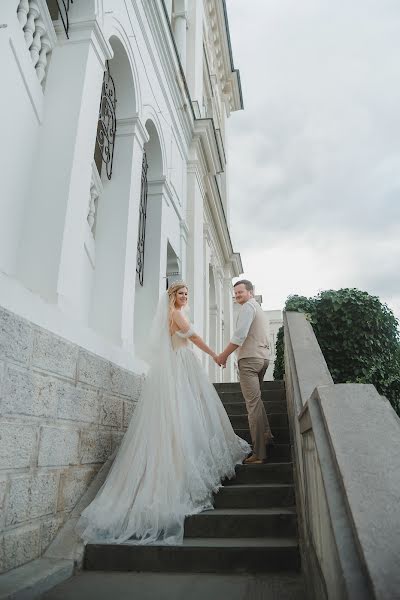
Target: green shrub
279, 366
358, 336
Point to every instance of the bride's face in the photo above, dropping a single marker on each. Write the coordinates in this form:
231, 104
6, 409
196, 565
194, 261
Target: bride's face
181, 298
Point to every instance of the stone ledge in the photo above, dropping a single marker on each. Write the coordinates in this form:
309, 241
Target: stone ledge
33, 579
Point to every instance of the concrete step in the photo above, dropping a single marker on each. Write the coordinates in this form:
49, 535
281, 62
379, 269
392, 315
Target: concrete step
265, 495
34, 578
270, 472
239, 408
278, 420
235, 386
281, 434
242, 523
180, 586
279, 453
278, 395
198, 555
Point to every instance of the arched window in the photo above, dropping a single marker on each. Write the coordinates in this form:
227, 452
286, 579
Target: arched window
142, 221
107, 125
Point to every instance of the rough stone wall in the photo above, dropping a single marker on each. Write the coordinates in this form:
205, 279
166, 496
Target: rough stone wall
63, 411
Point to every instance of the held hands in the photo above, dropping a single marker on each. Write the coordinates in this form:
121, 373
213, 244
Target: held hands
220, 360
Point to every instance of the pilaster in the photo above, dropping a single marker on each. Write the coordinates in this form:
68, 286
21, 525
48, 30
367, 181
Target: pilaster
55, 219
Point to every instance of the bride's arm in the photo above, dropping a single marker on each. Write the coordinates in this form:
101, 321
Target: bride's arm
184, 326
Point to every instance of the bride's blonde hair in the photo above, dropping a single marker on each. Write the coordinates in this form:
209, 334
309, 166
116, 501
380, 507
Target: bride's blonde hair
172, 293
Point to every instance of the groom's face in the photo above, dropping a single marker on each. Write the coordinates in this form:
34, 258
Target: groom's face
242, 295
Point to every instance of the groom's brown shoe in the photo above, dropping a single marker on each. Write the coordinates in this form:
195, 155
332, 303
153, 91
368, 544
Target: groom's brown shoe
253, 460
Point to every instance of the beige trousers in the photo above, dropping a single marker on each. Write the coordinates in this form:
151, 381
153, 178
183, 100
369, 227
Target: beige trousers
252, 371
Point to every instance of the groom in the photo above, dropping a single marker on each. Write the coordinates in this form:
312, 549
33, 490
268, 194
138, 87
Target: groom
251, 338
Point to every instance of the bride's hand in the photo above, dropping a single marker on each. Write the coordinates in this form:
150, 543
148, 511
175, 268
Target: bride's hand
214, 356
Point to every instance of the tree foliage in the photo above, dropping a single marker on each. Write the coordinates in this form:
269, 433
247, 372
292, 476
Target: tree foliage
358, 336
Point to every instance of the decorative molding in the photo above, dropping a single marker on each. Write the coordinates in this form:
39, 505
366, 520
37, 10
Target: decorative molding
140, 132
204, 130
184, 229
237, 265
219, 46
82, 31
126, 127
206, 232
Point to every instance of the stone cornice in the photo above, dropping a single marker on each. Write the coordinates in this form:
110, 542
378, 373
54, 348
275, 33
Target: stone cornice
220, 46
204, 129
237, 266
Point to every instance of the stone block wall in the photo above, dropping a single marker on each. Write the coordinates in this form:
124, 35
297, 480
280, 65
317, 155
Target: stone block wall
63, 411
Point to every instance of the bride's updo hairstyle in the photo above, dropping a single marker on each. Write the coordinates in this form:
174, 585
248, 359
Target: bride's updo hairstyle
172, 292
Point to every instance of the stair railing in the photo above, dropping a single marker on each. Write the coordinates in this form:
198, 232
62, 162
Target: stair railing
345, 442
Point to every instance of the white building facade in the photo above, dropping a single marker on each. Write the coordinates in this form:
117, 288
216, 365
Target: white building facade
275, 322
113, 181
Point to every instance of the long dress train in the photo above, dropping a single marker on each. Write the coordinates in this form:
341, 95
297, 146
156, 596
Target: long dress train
178, 448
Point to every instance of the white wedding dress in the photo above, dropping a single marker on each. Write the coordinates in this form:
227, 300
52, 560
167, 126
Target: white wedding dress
178, 448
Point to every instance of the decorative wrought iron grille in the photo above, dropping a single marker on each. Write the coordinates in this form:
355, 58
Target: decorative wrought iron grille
142, 221
61, 9
107, 125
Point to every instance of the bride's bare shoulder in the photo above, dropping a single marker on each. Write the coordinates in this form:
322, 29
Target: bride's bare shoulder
178, 317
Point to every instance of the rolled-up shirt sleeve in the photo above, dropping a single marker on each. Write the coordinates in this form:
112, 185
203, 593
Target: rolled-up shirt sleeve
245, 319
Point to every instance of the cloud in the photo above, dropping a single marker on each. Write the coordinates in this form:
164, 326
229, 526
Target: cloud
315, 155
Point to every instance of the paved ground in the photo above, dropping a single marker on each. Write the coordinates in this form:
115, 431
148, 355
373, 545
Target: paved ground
171, 586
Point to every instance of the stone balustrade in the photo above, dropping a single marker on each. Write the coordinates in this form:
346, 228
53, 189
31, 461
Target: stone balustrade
40, 37
345, 441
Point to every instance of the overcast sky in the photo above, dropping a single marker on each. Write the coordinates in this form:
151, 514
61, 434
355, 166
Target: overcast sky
315, 156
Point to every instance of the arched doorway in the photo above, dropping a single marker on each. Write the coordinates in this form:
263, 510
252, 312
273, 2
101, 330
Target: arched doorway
108, 212
152, 244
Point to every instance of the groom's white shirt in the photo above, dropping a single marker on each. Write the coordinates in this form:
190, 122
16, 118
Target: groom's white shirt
243, 323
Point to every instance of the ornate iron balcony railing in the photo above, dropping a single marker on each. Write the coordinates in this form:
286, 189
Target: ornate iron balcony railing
142, 221
107, 125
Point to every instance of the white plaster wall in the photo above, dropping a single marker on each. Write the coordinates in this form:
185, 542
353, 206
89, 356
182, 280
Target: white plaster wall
21, 105
45, 274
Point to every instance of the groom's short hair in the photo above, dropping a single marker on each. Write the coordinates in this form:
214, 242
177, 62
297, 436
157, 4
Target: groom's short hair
247, 284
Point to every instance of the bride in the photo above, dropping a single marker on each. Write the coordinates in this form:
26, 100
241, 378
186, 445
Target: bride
179, 445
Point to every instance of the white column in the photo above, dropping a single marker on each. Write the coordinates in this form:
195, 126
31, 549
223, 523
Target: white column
206, 293
195, 52
184, 234
50, 260
213, 369
141, 136
229, 372
180, 25
168, 6
219, 277
195, 258
155, 262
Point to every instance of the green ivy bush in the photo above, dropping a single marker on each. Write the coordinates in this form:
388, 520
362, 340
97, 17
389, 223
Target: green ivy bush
358, 336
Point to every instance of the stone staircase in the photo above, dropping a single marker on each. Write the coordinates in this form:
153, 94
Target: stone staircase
253, 528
